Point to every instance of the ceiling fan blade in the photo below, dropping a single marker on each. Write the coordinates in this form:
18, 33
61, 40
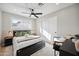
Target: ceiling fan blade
36, 16
38, 13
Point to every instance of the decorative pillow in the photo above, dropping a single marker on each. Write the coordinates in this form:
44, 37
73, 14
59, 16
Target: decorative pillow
22, 33
26, 35
68, 37
17, 34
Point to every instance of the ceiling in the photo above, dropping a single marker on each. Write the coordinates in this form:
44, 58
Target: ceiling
18, 8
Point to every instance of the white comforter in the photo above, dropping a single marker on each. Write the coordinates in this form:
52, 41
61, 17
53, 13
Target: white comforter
21, 42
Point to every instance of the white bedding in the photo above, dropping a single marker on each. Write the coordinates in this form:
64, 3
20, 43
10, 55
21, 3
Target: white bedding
21, 42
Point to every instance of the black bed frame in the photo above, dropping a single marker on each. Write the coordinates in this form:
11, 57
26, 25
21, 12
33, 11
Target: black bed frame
27, 51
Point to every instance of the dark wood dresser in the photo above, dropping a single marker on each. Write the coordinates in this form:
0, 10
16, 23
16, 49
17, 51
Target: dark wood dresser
8, 40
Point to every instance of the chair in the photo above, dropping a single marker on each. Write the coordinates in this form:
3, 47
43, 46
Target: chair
57, 43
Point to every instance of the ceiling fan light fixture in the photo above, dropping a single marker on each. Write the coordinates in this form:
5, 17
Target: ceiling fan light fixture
40, 4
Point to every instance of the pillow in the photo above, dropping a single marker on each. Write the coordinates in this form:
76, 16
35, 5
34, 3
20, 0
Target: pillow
68, 37
26, 35
22, 33
17, 34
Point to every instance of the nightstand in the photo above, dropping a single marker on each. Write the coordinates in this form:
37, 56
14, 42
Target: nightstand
8, 40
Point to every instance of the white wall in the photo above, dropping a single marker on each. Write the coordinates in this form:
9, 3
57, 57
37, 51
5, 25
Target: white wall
68, 20
64, 21
26, 23
48, 26
6, 24
0, 26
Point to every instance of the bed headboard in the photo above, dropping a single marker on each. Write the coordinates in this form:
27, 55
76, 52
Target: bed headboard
21, 32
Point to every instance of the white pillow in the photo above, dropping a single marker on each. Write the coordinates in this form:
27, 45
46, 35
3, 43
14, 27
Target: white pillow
74, 40
26, 35
68, 37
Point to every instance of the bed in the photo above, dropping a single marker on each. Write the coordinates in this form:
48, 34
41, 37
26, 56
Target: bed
26, 46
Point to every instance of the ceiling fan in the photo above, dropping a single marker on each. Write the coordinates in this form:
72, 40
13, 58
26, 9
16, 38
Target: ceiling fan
33, 13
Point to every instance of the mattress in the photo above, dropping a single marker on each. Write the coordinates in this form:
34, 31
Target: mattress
21, 42
23, 38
